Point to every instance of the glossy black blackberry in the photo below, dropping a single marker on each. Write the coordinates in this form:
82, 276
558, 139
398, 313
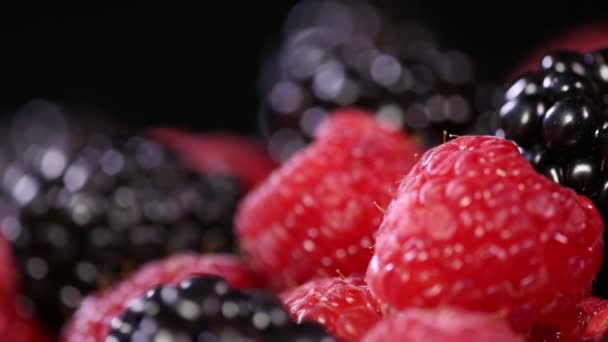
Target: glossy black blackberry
207, 309
559, 111
90, 207
351, 54
558, 115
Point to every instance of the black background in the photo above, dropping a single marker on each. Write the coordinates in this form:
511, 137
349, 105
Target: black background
197, 67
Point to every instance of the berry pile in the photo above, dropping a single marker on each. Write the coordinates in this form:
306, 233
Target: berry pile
84, 210
397, 70
109, 234
558, 117
466, 240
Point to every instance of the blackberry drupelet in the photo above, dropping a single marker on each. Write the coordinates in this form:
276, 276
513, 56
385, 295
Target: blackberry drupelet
90, 205
558, 116
348, 53
205, 308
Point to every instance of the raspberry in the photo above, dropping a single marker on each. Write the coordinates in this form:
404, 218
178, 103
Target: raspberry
206, 308
92, 320
319, 212
8, 273
344, 306
16, 326
220, 153
475, 226
571, 324
591, 323
442, 325
540, 333
588, 323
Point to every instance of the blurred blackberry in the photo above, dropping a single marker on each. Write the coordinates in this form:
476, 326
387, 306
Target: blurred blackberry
558, 116
347, 53
90, 204
207, 309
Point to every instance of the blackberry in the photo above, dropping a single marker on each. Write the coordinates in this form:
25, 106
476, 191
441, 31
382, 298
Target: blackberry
207, 309
348, 53
558, 116
84, 206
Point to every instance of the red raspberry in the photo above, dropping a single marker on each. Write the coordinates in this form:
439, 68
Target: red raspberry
475, 226
91, 321
319, 212
220, 152
541, 333
8, 274
571, 324
441, 325
345, 307
591, 322
16, 326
